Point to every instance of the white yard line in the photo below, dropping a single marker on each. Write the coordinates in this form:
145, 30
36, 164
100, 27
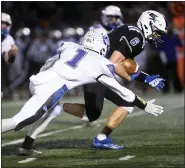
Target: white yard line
27, 160
128, 157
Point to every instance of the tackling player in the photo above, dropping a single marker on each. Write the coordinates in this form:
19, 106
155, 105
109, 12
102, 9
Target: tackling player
126, 41
64, 72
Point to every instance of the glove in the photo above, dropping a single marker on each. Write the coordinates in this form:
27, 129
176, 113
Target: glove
153, 109
155, 81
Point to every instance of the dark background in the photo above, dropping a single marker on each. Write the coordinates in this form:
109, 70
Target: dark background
48, 15
43, 17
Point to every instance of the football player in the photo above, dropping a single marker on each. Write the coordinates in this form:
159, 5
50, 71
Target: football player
111, 17
64, 72
9, 49
126, 41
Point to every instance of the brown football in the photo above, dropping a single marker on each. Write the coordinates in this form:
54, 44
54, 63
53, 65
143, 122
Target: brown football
130, 66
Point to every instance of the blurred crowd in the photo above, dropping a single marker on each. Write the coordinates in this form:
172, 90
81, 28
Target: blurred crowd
39, 27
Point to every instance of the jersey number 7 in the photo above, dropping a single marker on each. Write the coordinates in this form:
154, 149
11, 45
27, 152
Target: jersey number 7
77, 58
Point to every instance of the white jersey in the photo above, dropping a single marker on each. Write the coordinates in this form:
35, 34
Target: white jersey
74, 66
98, 26
82, 66
7, 44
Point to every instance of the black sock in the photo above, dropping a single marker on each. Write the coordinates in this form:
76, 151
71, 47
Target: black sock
107, 131
28, 143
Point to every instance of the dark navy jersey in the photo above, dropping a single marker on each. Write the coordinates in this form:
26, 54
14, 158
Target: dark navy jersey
127, 39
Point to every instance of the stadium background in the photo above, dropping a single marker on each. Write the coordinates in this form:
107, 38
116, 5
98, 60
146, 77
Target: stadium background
39, 26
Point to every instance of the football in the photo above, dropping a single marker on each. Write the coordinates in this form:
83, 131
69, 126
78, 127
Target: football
130, 66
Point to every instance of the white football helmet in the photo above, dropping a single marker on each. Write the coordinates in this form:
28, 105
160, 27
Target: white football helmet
96, 40
153, 24
108, 13
5, 18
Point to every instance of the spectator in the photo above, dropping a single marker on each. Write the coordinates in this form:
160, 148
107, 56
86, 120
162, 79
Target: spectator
168, 54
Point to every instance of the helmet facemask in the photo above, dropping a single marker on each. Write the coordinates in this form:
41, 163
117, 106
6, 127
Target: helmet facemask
155, 37
153, 25
111, 17
111, 21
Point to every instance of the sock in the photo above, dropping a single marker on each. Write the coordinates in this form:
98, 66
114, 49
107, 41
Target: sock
85, 118
107, 131
101, 137
8, 124
28, 143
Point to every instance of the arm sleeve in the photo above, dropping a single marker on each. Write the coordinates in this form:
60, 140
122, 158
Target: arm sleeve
112, 84
123, 92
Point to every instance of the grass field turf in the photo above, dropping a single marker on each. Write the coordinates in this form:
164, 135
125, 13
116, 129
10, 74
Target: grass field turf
154, 141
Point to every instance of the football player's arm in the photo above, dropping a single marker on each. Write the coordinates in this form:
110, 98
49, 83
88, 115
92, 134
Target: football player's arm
120, 71
119, 55
129, 96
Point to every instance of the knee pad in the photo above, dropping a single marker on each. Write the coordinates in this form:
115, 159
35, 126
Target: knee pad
129, 109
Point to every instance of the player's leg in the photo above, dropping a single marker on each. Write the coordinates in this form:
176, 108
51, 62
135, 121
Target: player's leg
30, 111
93, 97
119, 113
94, 100
37, 128
117, 116
37, 105
119, 97
74, 109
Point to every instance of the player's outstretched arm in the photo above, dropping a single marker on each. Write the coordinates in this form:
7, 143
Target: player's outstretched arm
129, 96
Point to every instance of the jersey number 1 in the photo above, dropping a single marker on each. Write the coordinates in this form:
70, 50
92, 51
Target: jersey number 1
77, 58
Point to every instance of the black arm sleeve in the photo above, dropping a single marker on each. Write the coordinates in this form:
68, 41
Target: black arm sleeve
139, 102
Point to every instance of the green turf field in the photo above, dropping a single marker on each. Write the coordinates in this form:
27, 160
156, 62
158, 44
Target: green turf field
154, 141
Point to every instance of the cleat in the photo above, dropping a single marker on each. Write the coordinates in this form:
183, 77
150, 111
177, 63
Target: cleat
26, 152
105, 144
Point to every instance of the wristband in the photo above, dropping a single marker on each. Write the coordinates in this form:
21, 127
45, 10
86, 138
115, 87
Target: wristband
139, 102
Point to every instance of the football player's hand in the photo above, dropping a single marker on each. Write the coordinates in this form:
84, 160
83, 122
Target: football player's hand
155, 81
13, 51
9, 56
153, 109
